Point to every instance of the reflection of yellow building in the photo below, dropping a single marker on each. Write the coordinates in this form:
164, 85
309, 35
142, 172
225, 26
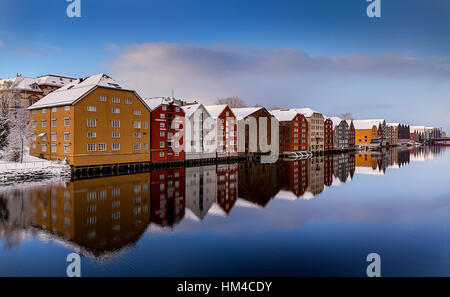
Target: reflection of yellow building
99, 215
94, 121
366, 160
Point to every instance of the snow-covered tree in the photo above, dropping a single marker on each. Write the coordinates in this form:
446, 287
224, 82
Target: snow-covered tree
9, 98
19, 134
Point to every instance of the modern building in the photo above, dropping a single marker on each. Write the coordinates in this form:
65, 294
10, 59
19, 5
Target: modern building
328, 135
226, 129
315, 129
249, 125
293, 130
91, 121
340, 133
196, 145
167, 128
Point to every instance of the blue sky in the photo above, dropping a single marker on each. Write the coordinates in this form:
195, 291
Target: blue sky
327, 55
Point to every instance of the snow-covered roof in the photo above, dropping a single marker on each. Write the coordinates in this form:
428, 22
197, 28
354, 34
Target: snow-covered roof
55, 80
190, 109
364, 124
393, 124
215, 110
22, 83
307, 112
154, 103
244, 112
368, 171
71, 92
336, 121
284, 115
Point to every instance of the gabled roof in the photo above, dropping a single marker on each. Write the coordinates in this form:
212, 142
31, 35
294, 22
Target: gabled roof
55, 80
190, 109
365, 124
72, 92
154, 103
244, 112
337, 121
284, 115
216, 110
307, 112
393, 124
22, 83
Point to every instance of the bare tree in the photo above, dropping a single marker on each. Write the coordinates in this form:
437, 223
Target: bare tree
346, 116
276, 107
233, 102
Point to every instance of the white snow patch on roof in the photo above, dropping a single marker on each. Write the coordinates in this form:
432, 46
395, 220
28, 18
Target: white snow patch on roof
215, 110
286, 195
244, 112
284, 115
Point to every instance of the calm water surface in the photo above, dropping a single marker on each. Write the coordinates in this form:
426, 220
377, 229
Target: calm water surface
319, 217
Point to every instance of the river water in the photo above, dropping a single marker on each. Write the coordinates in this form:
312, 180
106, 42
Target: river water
316, 217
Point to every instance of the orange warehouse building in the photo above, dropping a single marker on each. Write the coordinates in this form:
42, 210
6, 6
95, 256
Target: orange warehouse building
92, 121
365, 132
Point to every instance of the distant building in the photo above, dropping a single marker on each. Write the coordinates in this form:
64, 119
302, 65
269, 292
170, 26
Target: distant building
27, 90
250, 136
366, 132
328, 135
328, 170
351, 134
91, 121
226, 123
293, 130
341, 132
315, 129
393, 133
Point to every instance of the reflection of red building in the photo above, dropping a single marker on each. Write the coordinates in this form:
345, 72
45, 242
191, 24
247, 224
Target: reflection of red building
164, 130
227, 186
328, 135
328, 170
296, 177
167, 196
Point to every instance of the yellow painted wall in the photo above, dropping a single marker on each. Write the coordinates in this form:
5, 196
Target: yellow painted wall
78, 114
365, 136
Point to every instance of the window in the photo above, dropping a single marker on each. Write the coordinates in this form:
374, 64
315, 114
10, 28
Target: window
162, 115
177, 109
137, 125
145, 124
34, 146
162, 133
102, 147
91, 135
67, 107
128, 101
102, 98
34, 111
53, 148
44, 148
54, 109
137, 134
162, 125
116, 135
44, 123
66, 136
116, 146
92, 108
161, 154
67, 122
66, 149
33, 124
91, 147
33, 137
137, 112
53, 136
116, 110
115, 100
115, 123
145, 146
92, 122
137, 145
161, 144
164, 108
44, 110
53, 122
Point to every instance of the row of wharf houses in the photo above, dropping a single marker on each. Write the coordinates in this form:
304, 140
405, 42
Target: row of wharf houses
99, 121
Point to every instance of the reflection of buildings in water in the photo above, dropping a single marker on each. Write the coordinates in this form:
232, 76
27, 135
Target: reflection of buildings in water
167, 196
316, 177
351, 164
328, 170
366, 159
295, 176
99, 215
421, 153
201, 189
341, 167
258, 183
227, 186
